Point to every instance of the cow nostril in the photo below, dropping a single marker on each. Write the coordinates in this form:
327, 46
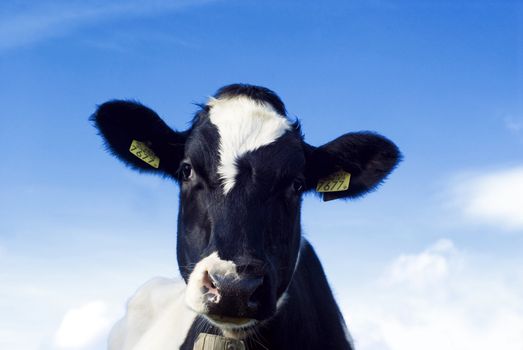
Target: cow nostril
208, 282
251, 287
209, 289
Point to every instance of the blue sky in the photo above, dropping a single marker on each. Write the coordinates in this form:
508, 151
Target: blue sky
421, 261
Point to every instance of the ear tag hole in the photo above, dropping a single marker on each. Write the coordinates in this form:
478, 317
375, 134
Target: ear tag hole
142, 151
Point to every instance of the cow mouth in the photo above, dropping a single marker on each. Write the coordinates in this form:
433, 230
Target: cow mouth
231, 323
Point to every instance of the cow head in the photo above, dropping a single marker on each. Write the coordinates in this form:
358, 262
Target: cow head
242, 168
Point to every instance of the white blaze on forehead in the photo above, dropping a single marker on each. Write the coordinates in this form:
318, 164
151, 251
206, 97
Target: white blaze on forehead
244, 125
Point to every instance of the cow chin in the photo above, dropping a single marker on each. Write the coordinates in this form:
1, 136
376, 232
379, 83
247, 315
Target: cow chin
240, 327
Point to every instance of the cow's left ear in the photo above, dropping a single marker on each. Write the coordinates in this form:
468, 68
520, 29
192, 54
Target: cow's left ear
366, 156
137, 136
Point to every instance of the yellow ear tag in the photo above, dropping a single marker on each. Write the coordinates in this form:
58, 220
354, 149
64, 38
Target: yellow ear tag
146, 154
339, 181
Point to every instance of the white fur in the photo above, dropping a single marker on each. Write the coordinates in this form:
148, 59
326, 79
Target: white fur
211, 264
156, 319
244, 125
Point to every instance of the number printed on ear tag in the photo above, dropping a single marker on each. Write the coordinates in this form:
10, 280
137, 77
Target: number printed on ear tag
146, 154
339, 181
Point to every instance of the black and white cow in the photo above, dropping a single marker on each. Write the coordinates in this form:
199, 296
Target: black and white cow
247, 271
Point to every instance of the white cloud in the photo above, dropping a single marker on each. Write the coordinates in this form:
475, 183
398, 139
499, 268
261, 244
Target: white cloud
440, 298
421, 270
495, 197
83, 326
22, 23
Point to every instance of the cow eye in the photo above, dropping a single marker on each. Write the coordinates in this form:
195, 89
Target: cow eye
186, 171
297, 186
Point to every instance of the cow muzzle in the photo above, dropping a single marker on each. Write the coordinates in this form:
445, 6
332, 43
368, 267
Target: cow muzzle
218, 291
231, 296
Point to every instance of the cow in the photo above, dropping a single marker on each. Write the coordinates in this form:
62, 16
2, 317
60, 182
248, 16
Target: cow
247, 272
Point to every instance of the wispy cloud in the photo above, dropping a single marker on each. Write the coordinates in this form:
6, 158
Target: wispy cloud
421, 270
493, 197
24, 23
439, 298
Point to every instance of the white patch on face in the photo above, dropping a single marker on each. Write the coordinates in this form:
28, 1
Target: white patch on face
244, 125
212, 264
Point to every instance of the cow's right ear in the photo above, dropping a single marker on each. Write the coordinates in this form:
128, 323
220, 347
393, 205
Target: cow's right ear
366, 156
137, 136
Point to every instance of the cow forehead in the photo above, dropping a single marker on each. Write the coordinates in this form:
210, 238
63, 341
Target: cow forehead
243, 125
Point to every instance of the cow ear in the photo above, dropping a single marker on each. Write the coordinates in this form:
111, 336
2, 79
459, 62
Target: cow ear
137, 136
366, 156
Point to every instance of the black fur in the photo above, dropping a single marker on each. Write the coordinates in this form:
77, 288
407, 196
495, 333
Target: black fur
308, 320
121, 122
257, 225
257, 93
367, 156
